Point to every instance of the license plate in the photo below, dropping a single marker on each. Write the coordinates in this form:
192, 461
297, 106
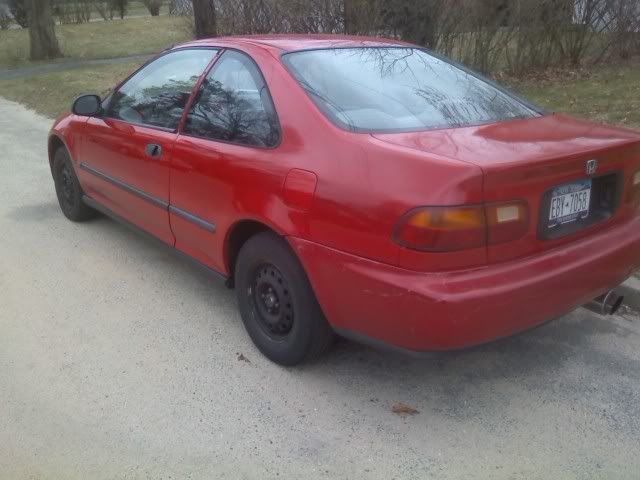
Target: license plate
570, 203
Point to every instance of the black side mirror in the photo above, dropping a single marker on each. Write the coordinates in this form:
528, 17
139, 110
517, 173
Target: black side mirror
87, 105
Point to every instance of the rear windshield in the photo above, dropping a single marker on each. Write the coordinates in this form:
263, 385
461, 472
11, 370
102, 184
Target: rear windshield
373, 89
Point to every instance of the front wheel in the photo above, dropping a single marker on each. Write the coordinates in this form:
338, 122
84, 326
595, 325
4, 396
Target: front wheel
277, 304
68, 189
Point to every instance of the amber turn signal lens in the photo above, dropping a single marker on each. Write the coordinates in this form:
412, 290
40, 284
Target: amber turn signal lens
442, 229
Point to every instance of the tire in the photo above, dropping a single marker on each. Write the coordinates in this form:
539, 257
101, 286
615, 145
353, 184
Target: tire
277, 304
68, 189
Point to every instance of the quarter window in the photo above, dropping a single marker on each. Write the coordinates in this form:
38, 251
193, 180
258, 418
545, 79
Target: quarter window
158, 93
234, 105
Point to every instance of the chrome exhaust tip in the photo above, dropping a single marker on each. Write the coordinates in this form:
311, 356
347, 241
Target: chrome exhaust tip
607, 304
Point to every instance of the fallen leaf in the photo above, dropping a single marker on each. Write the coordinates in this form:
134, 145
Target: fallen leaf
403, 409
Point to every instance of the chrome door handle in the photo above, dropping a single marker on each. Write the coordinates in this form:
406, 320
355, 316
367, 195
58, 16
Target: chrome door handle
153, 150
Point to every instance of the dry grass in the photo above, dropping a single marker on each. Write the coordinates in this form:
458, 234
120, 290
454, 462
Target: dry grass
110, 39
52, 93
609, 94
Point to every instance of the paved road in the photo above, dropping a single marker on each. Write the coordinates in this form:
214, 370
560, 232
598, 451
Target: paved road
119, 360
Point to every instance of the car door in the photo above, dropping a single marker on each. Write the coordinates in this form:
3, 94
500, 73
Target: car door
126, 151
226, 145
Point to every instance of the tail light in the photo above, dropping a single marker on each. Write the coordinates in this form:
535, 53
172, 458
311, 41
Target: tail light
446, 229
442, 229
506, 222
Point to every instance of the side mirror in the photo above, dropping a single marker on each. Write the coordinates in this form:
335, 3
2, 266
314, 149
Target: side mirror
87, 105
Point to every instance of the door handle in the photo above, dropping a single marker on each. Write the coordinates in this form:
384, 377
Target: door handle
153, 150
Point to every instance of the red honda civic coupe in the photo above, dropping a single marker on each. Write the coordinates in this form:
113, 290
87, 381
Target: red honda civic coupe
358, 186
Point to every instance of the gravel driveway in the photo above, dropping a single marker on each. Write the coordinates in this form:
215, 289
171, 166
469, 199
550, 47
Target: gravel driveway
119, 360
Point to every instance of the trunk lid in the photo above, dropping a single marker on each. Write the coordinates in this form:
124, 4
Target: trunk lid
527, 160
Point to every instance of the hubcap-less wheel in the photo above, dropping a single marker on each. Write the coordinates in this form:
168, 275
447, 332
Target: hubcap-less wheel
277, 305
66, 186
68, 189
272, 299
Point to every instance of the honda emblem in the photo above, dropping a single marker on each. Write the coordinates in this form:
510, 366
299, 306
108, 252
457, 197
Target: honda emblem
592, 166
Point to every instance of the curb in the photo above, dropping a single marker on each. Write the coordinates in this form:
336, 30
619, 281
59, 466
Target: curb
631, 291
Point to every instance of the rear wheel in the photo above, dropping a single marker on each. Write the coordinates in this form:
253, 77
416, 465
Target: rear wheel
277, 304
68, 189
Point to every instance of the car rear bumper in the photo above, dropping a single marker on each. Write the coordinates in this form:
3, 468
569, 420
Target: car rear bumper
451, 310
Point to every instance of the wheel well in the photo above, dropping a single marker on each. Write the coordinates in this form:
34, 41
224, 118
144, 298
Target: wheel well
54, 144
240, 233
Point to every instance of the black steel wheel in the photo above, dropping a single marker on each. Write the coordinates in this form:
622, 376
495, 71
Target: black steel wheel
68, 188
272, 301
277, 304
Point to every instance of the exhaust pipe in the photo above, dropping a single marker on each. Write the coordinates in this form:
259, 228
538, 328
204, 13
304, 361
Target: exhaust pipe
607, 304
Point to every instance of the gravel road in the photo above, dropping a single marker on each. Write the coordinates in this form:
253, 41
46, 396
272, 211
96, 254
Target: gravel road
119, 360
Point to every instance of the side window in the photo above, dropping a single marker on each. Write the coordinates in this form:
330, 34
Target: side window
158, 94
234, 105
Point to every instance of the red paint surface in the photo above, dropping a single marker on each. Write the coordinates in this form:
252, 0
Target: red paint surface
299, 187
340, 223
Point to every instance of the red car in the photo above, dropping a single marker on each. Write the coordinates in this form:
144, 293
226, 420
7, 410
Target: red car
358, 186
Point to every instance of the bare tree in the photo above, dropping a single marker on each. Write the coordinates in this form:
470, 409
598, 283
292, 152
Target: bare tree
42, 34
77, 11
588, 20
18, 9
5, 18
180, 7
513, 36
119, 6
204, 14
350, 15
153, 6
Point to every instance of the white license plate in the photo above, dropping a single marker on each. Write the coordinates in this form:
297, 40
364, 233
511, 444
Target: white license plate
570, 203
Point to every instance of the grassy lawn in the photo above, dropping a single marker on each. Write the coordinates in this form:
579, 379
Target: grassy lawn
52, 93
609, 94
115, 38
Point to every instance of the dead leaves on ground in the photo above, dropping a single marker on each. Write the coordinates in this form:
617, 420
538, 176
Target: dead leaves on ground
242, 358
404, 410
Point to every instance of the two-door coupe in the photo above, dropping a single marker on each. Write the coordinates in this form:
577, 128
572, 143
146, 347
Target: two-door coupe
358, 186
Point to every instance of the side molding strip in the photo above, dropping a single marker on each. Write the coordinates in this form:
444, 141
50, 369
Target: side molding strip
125, 186
210, 227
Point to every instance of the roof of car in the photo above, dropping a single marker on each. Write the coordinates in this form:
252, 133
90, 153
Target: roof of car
292, 42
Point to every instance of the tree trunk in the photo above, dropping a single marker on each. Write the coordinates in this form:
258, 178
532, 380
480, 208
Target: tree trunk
153, 6
204, 14
349, 17
42, 33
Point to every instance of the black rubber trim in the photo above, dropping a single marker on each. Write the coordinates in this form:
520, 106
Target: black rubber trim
158, 202
381, 345
110, 213
210, 227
